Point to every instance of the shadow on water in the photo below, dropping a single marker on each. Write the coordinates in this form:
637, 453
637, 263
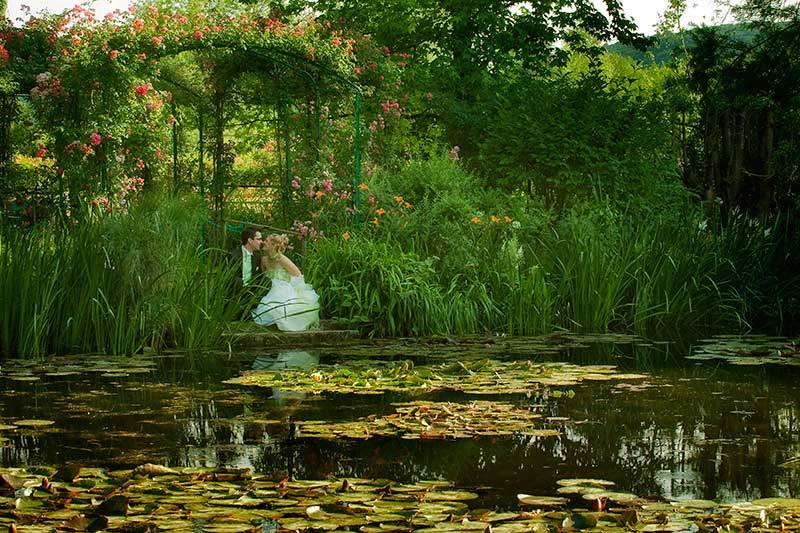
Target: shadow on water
700, 429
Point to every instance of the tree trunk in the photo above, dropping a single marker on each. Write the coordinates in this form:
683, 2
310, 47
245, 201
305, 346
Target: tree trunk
765, 190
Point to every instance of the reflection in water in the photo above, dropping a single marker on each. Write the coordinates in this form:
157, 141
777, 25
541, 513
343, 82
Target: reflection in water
294, 360
703, 431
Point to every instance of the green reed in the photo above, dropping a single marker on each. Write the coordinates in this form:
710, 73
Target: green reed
365, 280
115, 285
591, 274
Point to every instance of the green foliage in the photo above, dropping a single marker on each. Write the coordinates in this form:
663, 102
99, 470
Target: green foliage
115, 285
446, 265
569, 139
396, 291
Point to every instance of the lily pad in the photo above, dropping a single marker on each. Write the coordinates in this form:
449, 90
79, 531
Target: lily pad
483, 376
785, 503
33, 423
696, 504
585, 482
432, 420
541, 501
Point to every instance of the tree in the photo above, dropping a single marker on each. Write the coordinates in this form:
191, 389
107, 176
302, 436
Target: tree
458, 45
749, 109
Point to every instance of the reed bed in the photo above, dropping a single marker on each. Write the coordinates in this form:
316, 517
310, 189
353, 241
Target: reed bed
114, 286
122, 284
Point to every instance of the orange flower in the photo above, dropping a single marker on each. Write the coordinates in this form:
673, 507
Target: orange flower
380, 211
476, 220
507, 219
408, 205
495, 219
398, 199
363, 186
346, 235
319, 194
376, 221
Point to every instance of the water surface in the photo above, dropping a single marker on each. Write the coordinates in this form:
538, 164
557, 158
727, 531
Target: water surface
700, 429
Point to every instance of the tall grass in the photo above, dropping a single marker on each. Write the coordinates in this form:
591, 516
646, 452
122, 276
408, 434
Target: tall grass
115, 286
372, 281
583, 274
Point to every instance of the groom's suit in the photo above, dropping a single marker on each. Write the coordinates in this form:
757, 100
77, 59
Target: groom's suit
237, 259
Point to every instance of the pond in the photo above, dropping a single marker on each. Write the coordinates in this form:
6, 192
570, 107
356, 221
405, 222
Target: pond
656, 424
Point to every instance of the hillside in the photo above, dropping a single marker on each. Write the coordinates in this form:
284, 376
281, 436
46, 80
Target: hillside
668, 44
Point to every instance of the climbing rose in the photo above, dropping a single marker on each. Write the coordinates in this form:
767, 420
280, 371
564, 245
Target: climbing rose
95, 138
113, 54
142, 90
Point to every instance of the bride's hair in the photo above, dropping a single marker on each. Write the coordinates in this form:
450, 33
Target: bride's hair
278, 242
275, 245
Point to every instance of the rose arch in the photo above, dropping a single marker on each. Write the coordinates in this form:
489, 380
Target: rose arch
116, 97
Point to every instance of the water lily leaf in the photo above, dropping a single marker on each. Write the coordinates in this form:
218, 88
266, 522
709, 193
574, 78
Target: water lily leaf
149, 469
83, 523
664, 528
464, 525
785, 503
585, 482
61, 514
541, 501
26, 504
280, 502
359, 497
453, 507
305, 484
11, 482
296, 524
115, 505
521, 527
385, 528
386, 517
450, 495
576, 490
475, 377
695, 504
249, 501
619, 497
231, 528
33, 423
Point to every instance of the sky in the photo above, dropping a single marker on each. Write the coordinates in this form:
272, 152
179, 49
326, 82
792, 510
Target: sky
645, 13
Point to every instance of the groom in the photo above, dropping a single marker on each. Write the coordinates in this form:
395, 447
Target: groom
245, 258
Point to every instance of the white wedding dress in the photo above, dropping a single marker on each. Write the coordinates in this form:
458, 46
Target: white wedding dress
291, 304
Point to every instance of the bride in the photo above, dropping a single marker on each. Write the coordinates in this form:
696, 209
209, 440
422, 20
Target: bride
291, 303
